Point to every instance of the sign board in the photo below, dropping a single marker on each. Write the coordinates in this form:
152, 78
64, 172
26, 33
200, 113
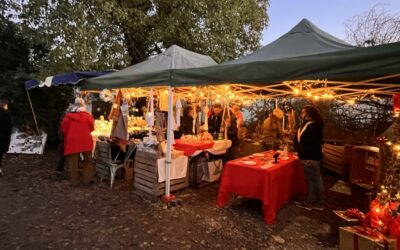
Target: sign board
22, 143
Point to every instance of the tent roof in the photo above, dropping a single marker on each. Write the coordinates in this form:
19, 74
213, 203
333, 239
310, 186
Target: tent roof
351, 69
158, 68
303, 39
62, 79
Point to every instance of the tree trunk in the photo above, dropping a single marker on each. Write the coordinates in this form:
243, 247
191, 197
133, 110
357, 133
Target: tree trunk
136, 49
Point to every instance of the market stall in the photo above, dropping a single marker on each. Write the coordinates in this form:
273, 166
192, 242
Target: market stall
343, 74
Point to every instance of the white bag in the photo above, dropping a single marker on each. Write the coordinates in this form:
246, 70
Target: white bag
212, 171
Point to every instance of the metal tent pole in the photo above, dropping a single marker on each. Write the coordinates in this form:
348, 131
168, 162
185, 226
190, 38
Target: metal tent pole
33, 112
170, 134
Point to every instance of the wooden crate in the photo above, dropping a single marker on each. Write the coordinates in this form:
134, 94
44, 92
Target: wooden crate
129, 167
337, 158
146, 176
365, 166
103, 155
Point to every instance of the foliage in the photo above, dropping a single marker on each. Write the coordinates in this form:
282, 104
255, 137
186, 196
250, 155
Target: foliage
362, 121
103, 34
15, 69
374, 27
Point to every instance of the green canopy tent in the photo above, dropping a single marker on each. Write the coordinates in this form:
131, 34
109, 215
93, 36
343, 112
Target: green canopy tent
155, 71
352, 70
349, 72
303, 39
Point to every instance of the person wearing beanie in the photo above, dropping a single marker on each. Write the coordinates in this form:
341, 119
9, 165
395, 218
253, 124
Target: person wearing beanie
76, 127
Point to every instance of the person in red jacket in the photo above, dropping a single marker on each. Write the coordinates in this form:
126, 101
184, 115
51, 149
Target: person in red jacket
76, 127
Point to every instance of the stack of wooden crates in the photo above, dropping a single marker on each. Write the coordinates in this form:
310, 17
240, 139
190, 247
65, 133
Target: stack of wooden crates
146, 173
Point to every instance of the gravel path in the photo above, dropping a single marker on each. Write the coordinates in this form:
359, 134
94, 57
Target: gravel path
37, 212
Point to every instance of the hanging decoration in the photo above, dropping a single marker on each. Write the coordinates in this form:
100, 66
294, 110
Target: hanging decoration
150, 114
205, 126
178, 107
107, 95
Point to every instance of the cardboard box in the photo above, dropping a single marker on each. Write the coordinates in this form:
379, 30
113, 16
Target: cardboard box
355, 238
342, 220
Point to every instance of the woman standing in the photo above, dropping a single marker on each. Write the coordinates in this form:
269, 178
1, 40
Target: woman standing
186, 127
76, 127
271, 132
308, 143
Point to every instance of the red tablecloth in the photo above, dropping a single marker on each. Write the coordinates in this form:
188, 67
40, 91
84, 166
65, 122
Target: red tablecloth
189, 149
274, 185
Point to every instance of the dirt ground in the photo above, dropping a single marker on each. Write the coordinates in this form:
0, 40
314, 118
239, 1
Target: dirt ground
37, 212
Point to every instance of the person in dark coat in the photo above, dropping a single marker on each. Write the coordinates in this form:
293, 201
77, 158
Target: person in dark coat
232, 133
215, 119
186, 127
308, 143
5, 130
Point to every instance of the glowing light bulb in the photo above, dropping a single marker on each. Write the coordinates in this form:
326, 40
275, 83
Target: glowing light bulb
351, 102
308, 94
296, 91
389, 143
165, 91
397, 147
218, 96
316, 97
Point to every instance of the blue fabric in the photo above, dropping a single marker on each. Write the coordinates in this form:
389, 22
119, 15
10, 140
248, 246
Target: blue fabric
66, 78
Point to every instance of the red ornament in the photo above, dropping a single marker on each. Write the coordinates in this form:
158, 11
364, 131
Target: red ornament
379, 217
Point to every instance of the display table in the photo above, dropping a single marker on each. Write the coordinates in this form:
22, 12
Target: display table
190, 149
273, 184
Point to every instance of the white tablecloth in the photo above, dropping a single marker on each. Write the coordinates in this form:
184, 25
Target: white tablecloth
178, 168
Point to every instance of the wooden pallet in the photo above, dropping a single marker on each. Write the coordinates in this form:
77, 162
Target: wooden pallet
146, 177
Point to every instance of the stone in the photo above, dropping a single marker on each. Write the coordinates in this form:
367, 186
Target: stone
278, 239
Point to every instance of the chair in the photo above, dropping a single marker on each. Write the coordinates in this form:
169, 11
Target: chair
104, 158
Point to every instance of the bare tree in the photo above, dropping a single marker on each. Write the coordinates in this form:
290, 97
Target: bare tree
374, 27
